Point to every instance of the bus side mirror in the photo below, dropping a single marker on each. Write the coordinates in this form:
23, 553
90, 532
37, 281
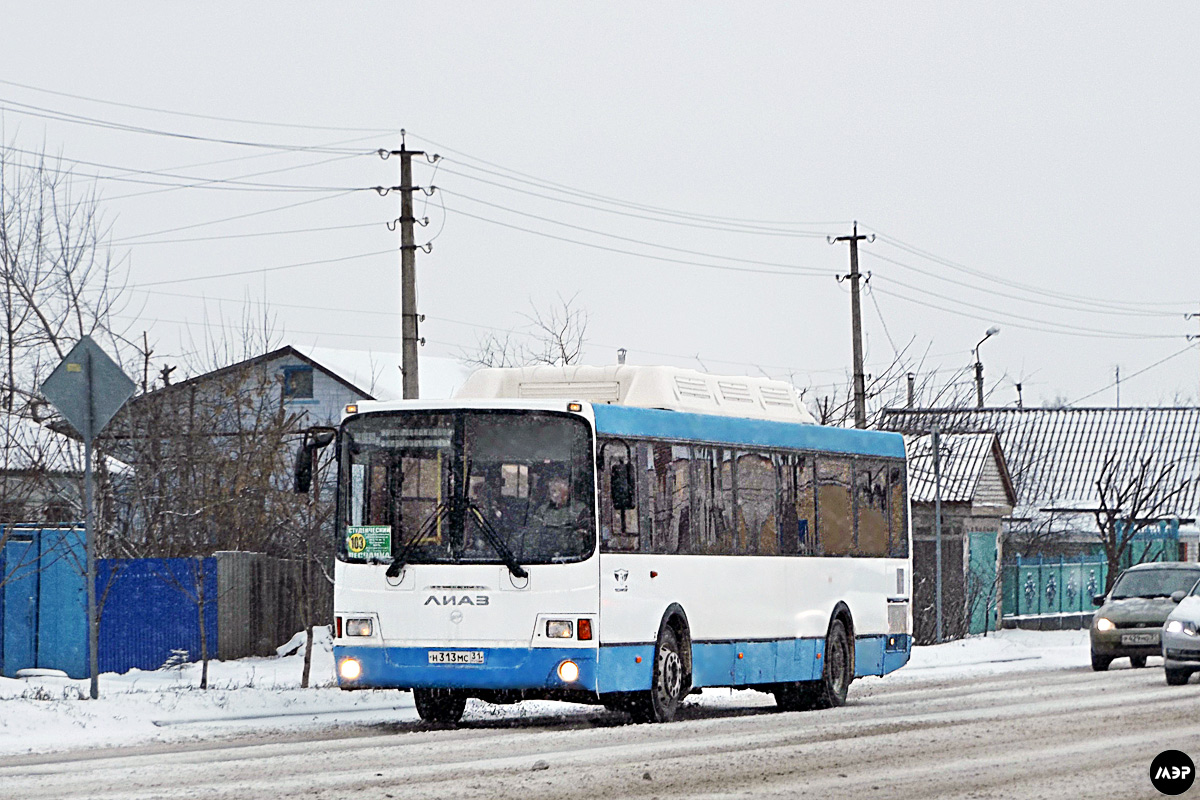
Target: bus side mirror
314, 439
621, 479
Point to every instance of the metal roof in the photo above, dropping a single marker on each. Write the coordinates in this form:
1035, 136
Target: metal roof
1055, 455
962, 460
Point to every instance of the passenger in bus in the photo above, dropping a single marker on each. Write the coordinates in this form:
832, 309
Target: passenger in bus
560, 524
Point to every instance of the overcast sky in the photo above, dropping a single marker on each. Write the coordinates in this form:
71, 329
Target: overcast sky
1027, 166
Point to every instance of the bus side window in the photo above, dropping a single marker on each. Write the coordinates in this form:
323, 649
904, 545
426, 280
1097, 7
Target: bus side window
871, 508
756, 503
898, 516
798, 513
835, 505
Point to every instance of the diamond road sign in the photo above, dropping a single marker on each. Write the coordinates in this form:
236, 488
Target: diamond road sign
88, 388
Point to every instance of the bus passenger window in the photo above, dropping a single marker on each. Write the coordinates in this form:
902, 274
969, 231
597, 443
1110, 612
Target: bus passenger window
871, 508
834, 506
756, 503
798, 514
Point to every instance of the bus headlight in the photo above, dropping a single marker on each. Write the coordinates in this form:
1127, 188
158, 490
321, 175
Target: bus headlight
568, 671
350, 669
559, 629
358, 627
1179, 626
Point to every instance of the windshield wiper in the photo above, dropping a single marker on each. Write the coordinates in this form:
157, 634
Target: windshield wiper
497, 542
437, 515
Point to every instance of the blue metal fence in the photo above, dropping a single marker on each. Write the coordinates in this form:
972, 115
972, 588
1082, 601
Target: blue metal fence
150, 610
148, 607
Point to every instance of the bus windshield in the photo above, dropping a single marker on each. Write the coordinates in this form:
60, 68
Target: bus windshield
443, 486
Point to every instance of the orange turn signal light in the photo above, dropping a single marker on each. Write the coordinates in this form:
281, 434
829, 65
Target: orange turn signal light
576, 407
584, 629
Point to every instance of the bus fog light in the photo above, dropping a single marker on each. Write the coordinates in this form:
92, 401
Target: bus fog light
358, 627
351, 670
568, 671
559, 629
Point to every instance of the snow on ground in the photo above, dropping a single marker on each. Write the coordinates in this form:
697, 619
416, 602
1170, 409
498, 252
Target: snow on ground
259, 695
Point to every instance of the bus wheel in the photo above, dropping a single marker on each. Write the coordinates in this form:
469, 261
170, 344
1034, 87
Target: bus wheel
838, 673
441, 706
666, 685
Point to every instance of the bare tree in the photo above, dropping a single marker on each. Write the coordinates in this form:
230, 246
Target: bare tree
555, 335
1132, 494
888, 388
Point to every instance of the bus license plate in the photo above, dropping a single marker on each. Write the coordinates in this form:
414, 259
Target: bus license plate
1139, 638
455, 656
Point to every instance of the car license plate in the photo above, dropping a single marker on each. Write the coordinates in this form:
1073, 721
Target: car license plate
455, 656
1139, 638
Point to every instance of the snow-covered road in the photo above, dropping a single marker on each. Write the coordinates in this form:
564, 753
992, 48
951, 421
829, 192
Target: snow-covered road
992, 731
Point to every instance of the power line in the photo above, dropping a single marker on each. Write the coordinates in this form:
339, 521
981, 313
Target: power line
624, 238
1116, 304
261, 270
126, 239
544, 183
27, 109
954, 303
252, 235
726, 226
198, 116
794, 271
1134, 375
1087, 309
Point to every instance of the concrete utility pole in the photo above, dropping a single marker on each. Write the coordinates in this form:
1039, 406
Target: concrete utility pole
408, 271
1193, 337
992, 331
860, 389
937, 527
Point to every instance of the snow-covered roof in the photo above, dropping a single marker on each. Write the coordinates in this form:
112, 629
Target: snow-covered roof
1055, 455
378, 373
670, 388
962, 460
27, 446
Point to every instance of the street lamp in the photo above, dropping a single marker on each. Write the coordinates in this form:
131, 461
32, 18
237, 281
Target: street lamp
992, 331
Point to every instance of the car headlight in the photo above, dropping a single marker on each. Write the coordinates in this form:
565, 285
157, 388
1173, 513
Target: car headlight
1180, 626
1104, 624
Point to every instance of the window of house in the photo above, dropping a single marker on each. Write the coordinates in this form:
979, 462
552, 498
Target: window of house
297, 383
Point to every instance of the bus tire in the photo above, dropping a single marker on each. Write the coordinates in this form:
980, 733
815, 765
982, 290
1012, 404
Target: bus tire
838, 670
440, 706
666, 683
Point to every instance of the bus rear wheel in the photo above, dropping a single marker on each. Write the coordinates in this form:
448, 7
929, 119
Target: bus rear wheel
440, 706
666, 685
837, 673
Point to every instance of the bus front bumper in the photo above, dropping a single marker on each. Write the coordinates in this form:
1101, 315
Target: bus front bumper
502, 668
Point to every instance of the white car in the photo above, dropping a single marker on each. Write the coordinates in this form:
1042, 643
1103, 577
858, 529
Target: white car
1181, 637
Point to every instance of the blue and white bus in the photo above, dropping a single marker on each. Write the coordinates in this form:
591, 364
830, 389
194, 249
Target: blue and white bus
619, 535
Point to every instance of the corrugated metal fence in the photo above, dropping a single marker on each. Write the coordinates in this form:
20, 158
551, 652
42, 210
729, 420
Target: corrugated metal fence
149, 608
